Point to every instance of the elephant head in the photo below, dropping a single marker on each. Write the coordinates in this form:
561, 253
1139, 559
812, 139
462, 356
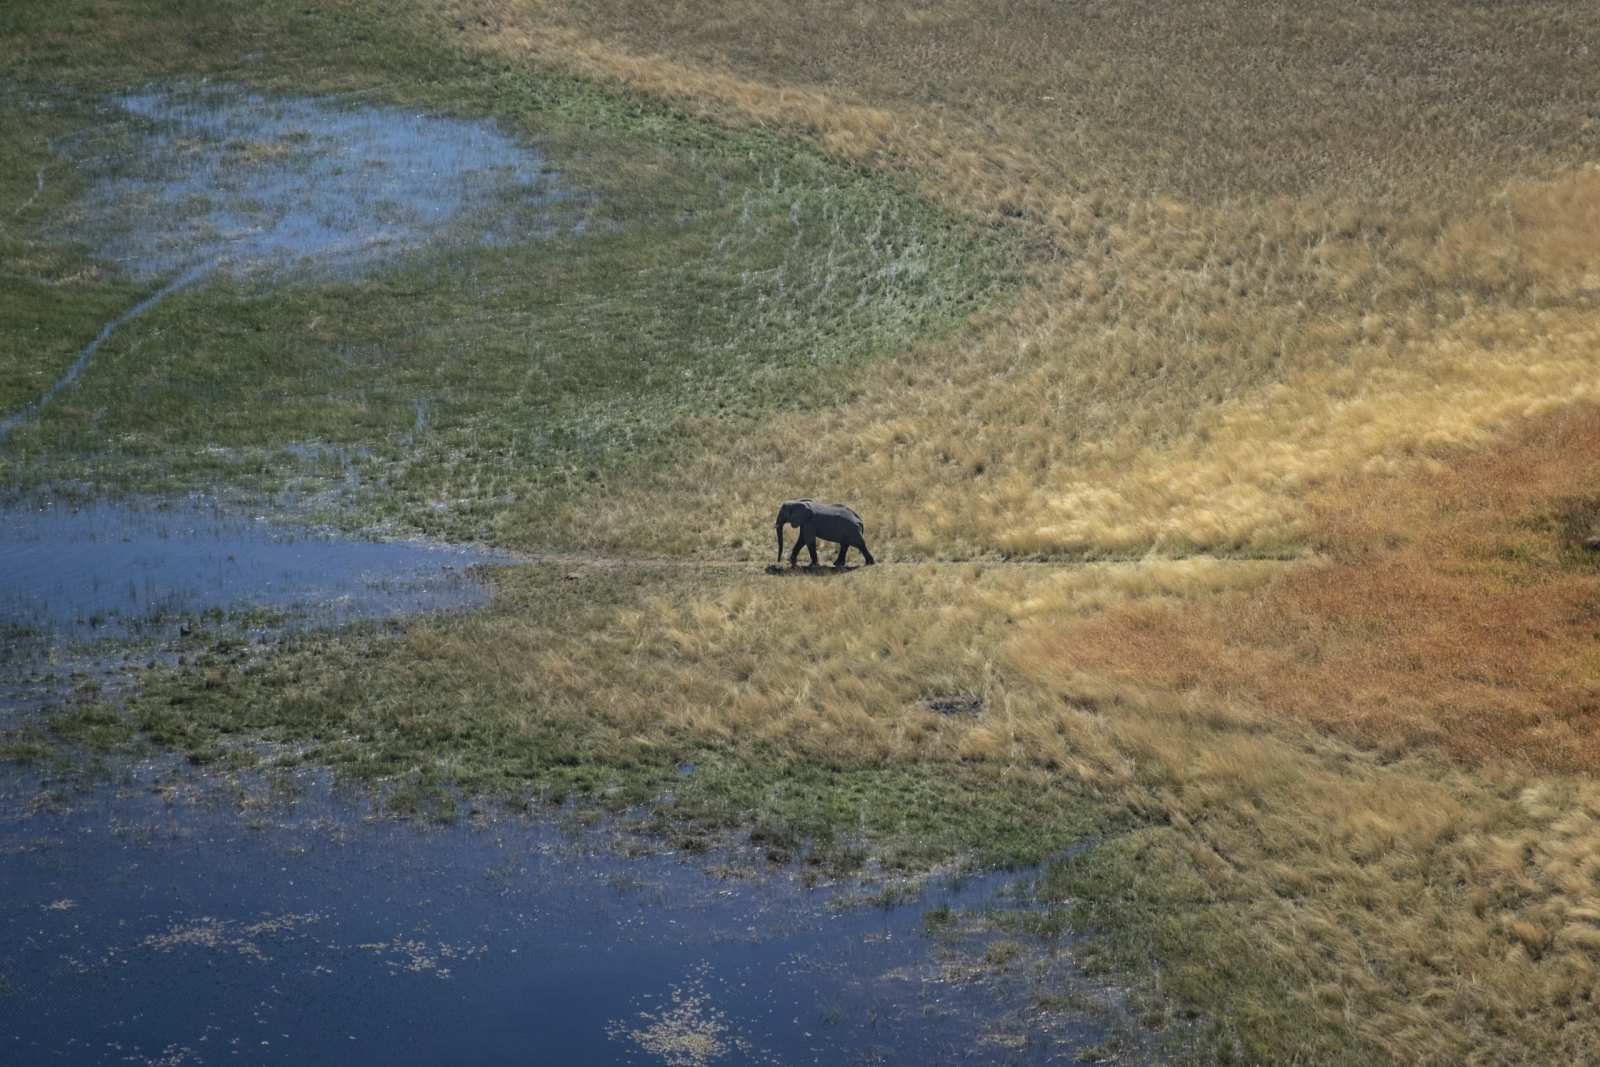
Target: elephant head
792, 512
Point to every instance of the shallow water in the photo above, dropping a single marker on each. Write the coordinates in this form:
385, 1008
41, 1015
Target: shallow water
216, 179
151, 925
245, 181
115, 569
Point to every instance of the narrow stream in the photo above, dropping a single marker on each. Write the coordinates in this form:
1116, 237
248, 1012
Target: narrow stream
182, 281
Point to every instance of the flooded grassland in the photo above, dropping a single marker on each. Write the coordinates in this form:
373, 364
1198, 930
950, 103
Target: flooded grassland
306, 342
423, 322
164, 918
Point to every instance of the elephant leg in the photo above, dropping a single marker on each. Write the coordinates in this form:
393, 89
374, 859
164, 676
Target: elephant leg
862, 545
811, 547
838, 561
794, 553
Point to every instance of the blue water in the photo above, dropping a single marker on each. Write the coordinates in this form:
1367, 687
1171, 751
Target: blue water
153, 924
114, 568
250, 182
218, 179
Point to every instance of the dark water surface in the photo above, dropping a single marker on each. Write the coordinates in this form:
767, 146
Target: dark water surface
115, 569
162, 923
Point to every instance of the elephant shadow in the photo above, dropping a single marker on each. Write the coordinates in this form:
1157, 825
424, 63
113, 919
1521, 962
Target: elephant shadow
822, 570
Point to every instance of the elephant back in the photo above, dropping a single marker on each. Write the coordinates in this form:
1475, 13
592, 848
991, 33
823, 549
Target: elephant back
842, 513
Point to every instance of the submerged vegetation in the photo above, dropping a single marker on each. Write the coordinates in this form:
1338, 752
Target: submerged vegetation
1272, 329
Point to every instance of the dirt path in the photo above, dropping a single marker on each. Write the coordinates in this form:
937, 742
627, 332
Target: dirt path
598, 561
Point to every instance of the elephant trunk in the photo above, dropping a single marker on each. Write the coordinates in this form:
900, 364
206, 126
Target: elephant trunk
780, 542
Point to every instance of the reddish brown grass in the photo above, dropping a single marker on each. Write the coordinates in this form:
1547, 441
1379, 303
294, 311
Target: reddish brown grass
1456, 607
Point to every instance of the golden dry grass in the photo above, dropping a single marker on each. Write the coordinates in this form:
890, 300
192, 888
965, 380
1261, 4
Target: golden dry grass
1302, 282
1456, 609
1192, 281
1443, 913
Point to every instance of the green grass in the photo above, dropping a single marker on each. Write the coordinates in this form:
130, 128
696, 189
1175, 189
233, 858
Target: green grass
721, 276
96, 727
51, 302
367, 703
25, 744
1152, 916
729, 275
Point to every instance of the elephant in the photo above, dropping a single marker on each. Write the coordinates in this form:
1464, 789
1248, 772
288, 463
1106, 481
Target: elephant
831, 522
